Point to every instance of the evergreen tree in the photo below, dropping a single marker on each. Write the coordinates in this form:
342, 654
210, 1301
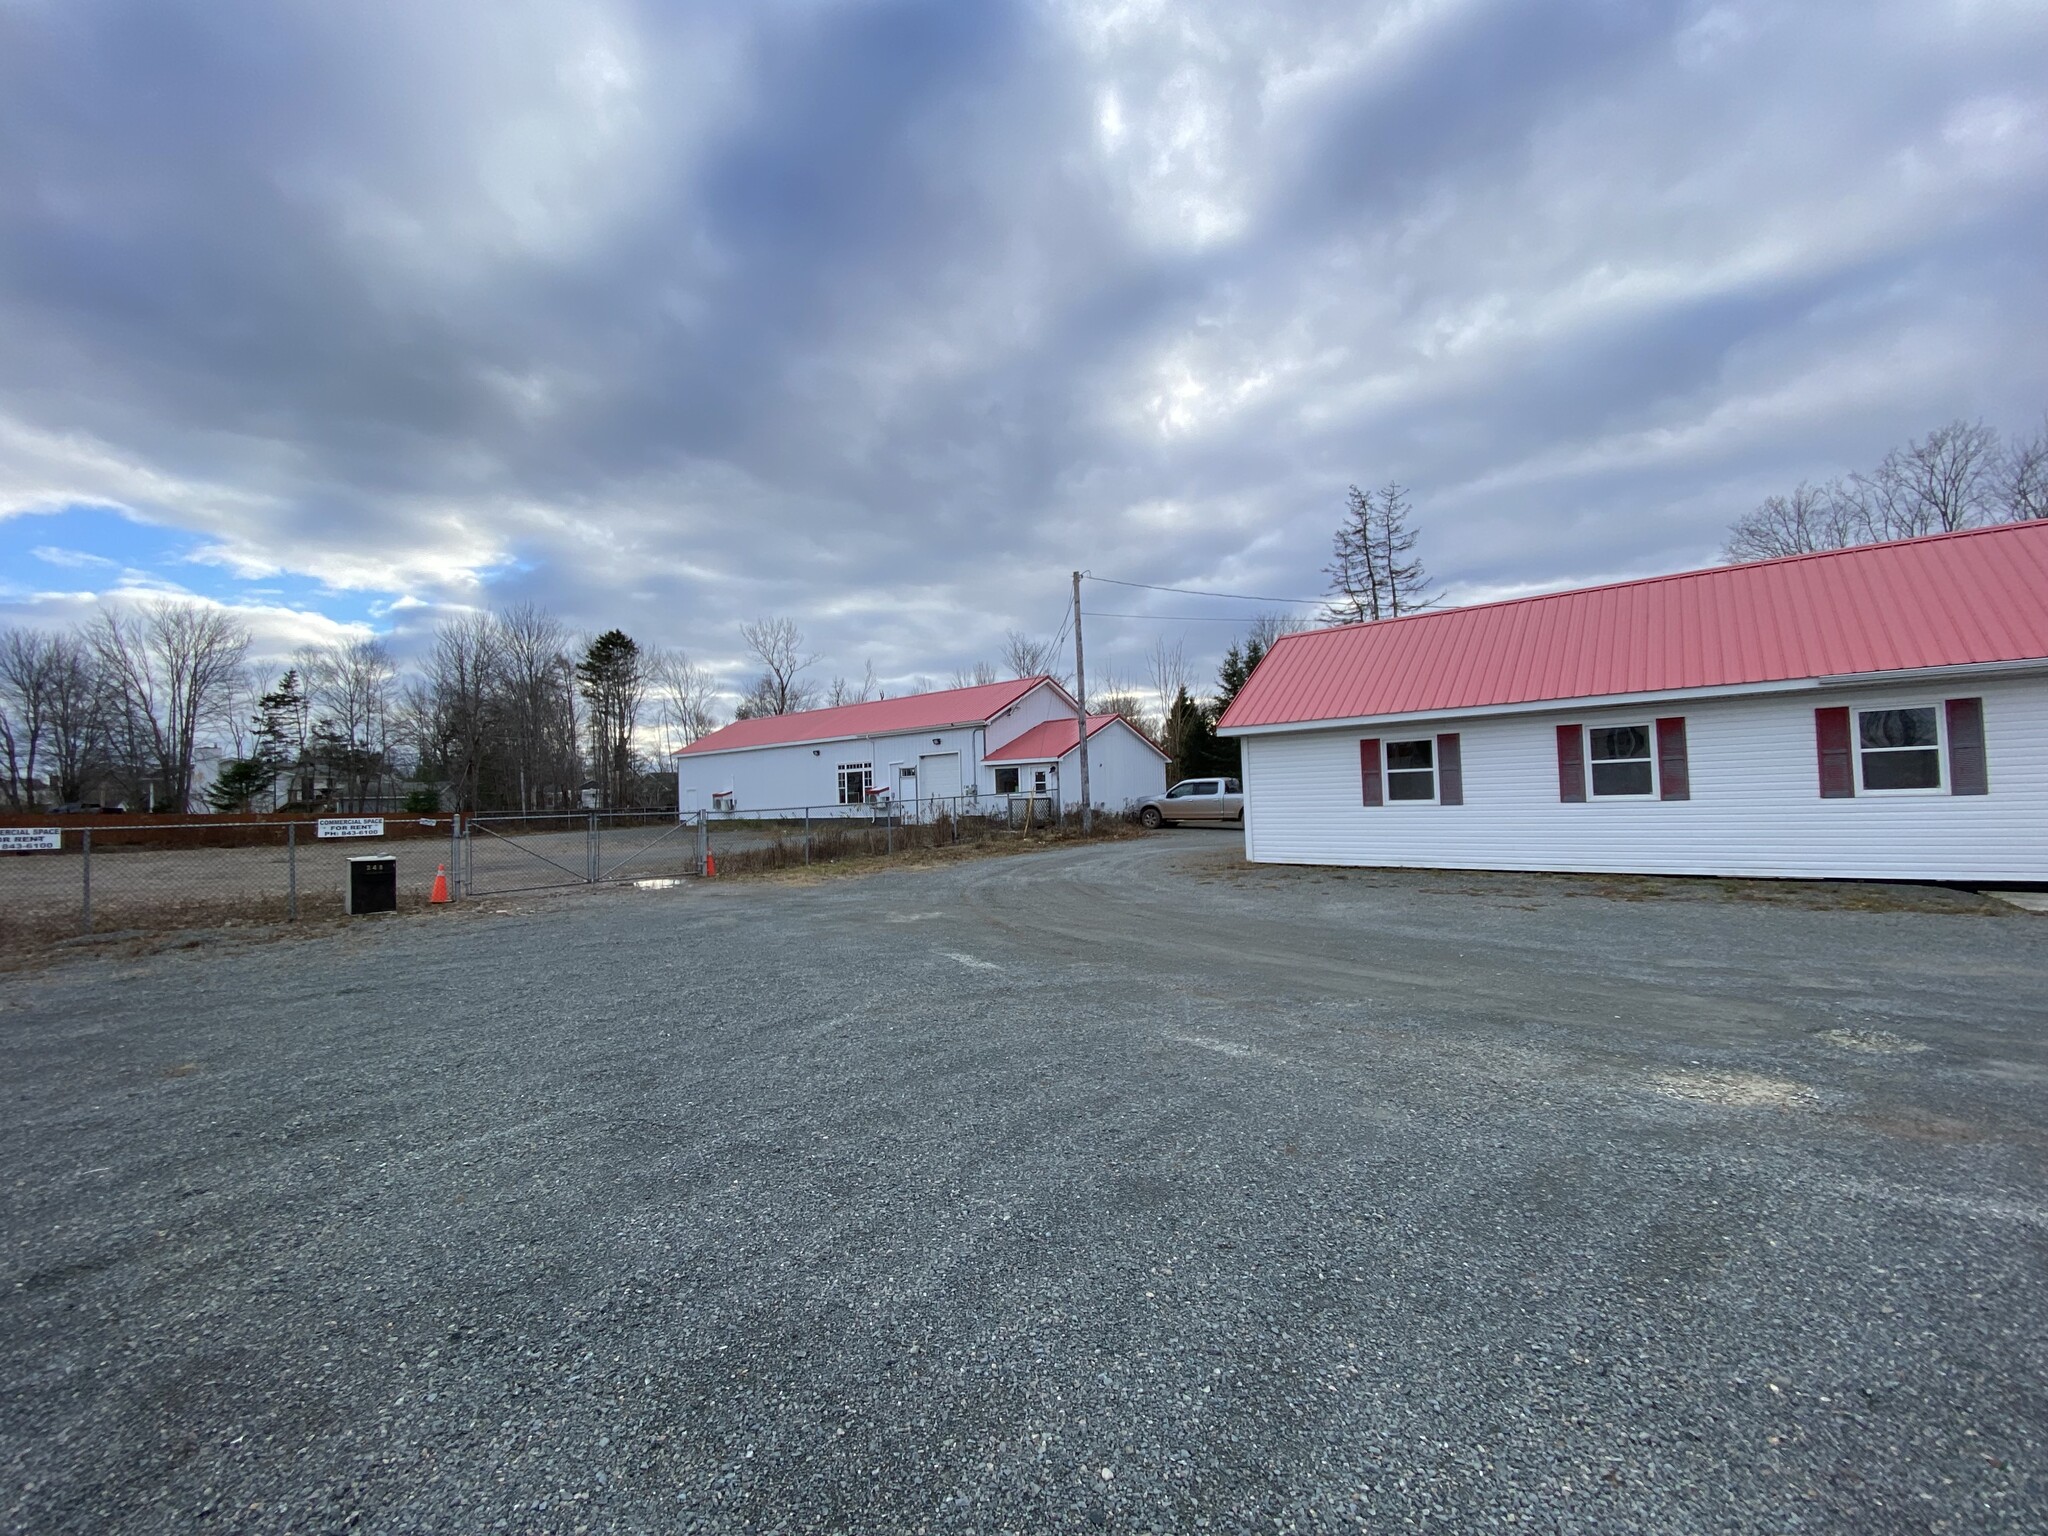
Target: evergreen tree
1192, 724
1239, 662
283, 737
241, 780
614, 682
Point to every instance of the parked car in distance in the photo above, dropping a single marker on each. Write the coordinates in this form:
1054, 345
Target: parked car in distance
87, 808
1194, 800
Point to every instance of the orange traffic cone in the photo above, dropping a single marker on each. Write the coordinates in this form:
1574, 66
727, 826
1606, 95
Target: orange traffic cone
710, 865
440, 885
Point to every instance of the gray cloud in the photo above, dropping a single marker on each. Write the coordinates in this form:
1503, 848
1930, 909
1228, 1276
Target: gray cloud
886, 315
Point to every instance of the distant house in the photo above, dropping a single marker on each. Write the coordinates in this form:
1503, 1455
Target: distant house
1878, 712
920, 752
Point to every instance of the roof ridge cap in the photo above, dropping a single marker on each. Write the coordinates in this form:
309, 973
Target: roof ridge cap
1664, 576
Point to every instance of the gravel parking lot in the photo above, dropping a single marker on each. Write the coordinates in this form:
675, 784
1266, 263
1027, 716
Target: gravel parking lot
1120, 1187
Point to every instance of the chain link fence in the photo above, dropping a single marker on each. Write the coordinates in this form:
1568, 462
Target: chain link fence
59, 882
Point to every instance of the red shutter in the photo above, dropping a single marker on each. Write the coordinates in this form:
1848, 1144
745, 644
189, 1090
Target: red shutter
1831, 738
1967, 774
1571, 764
1369, 769
1674, 776
1450, 770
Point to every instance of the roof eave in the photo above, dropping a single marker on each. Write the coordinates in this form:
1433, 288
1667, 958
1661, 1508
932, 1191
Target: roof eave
819, 741
1625, 700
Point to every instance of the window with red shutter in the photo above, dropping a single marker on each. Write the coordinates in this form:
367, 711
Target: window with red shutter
1450, 770
1369, 770
1674, 773
1831, 741
1571, 764
1968, 773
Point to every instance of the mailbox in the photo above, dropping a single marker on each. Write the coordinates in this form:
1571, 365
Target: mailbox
372, 885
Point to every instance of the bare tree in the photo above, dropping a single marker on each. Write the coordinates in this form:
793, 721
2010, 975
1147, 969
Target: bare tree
1268, 627
170, 666
350, 688
1940, 484
1812, 517
1357, 584
1026, 656
449, 710
78, 716
26, 660
2023, 478
1115, 696
683, 690
981, 673
779, 690
537, 714
1166, 669
1374, 571
843, 692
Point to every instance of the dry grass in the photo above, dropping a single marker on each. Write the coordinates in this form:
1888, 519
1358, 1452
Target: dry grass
838, 850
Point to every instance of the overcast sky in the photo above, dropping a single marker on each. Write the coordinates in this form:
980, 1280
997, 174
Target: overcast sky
886, 316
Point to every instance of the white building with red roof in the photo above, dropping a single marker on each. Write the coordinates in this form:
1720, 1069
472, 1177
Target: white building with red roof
1878, 712
922, 752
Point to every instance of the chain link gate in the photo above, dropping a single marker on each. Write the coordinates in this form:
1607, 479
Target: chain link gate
503, 855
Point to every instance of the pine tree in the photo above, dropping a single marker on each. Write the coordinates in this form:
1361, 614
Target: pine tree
614, 682
1405, 585
240, 781
1357, 582
1374, 572
283, 731
1239, 662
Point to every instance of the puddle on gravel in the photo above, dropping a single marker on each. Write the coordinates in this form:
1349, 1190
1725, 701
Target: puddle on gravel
1876, 1042
657, 883
1734, 1090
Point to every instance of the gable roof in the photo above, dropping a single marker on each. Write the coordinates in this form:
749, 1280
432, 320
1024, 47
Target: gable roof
1954, 599
878, 717
1051, 740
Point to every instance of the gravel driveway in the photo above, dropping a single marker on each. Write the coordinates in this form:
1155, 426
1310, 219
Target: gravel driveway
1121, 1188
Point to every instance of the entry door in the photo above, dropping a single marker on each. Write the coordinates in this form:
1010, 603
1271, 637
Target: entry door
938, 776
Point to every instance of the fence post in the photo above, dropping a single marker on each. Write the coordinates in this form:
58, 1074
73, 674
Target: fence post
807, 836
703, 839
468, 856
88, 880
590, 852
889, 832
291, 868
455, 854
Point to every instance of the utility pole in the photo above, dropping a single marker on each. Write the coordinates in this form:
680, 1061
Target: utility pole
1081, 713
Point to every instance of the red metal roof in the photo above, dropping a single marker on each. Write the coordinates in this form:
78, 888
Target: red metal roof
1953, 599
1052, 740
880, 717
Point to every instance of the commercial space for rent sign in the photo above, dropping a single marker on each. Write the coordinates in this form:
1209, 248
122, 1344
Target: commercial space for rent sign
352, 826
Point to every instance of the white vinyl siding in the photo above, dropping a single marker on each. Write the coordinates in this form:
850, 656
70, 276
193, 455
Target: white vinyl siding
1755, 809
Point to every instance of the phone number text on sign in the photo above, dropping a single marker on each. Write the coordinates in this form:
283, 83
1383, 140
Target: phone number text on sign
30, 839
352, 826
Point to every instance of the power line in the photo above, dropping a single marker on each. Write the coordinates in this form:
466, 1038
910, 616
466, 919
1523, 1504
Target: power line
1175, 618
1247, 597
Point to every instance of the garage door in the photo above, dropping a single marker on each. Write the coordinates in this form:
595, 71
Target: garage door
938, 776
